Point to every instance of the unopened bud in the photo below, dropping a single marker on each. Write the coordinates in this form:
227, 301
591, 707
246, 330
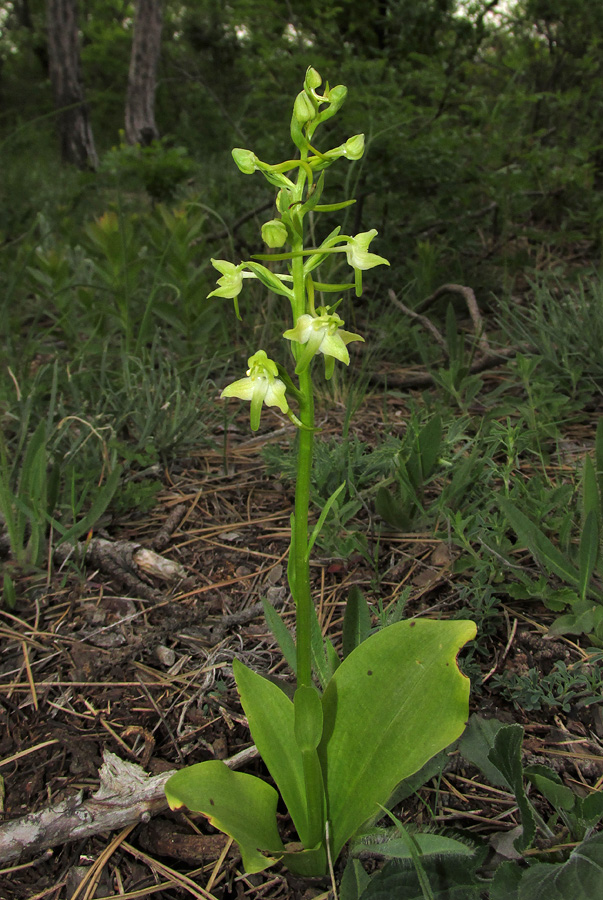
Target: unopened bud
354, 147
274, 233
313, 79
246, 160
303, 109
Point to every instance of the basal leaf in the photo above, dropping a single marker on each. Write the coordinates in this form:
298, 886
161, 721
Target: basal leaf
272, 723
240, 805
395, 702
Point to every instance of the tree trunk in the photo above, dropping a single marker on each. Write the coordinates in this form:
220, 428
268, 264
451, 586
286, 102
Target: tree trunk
77, 142
142, 77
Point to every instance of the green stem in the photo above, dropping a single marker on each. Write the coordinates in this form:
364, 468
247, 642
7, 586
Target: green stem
303, 598
314, 788
305, 439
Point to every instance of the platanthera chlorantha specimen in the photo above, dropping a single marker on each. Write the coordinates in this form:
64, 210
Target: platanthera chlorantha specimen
337, 751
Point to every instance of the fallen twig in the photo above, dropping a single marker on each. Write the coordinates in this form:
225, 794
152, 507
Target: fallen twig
126, 796
126, 561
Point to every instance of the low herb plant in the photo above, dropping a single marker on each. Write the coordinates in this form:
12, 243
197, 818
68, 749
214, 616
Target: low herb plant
580, 567
563, 687
337, 750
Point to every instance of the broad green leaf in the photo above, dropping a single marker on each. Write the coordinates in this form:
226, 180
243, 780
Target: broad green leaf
588, 551
307, 710
538, 544
272, 723
240, 805
579, 878
506, 756
356, 621
395, 702
304, 862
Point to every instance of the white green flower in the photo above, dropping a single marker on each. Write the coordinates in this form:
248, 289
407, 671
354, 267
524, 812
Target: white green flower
322, 333
357, 253
260, 386
231, 282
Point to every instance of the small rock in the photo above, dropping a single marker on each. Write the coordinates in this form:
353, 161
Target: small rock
165, 655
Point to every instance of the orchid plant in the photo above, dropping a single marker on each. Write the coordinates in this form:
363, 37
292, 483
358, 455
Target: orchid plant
362, 724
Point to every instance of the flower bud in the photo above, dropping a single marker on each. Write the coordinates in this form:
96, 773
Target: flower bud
303, 108
336, 96
354, 147
312, 80
246, 160
274, 233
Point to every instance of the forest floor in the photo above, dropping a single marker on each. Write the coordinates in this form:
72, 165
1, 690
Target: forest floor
94, 663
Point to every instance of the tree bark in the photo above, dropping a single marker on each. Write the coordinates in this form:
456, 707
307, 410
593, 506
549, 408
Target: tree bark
142, 77
75, 132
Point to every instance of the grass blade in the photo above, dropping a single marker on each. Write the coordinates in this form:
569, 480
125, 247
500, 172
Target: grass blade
539, 545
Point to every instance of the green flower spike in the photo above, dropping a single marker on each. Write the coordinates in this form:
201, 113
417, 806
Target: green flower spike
321, 334
260, 386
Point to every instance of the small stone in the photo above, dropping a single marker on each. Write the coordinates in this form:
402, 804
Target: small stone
165, 655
